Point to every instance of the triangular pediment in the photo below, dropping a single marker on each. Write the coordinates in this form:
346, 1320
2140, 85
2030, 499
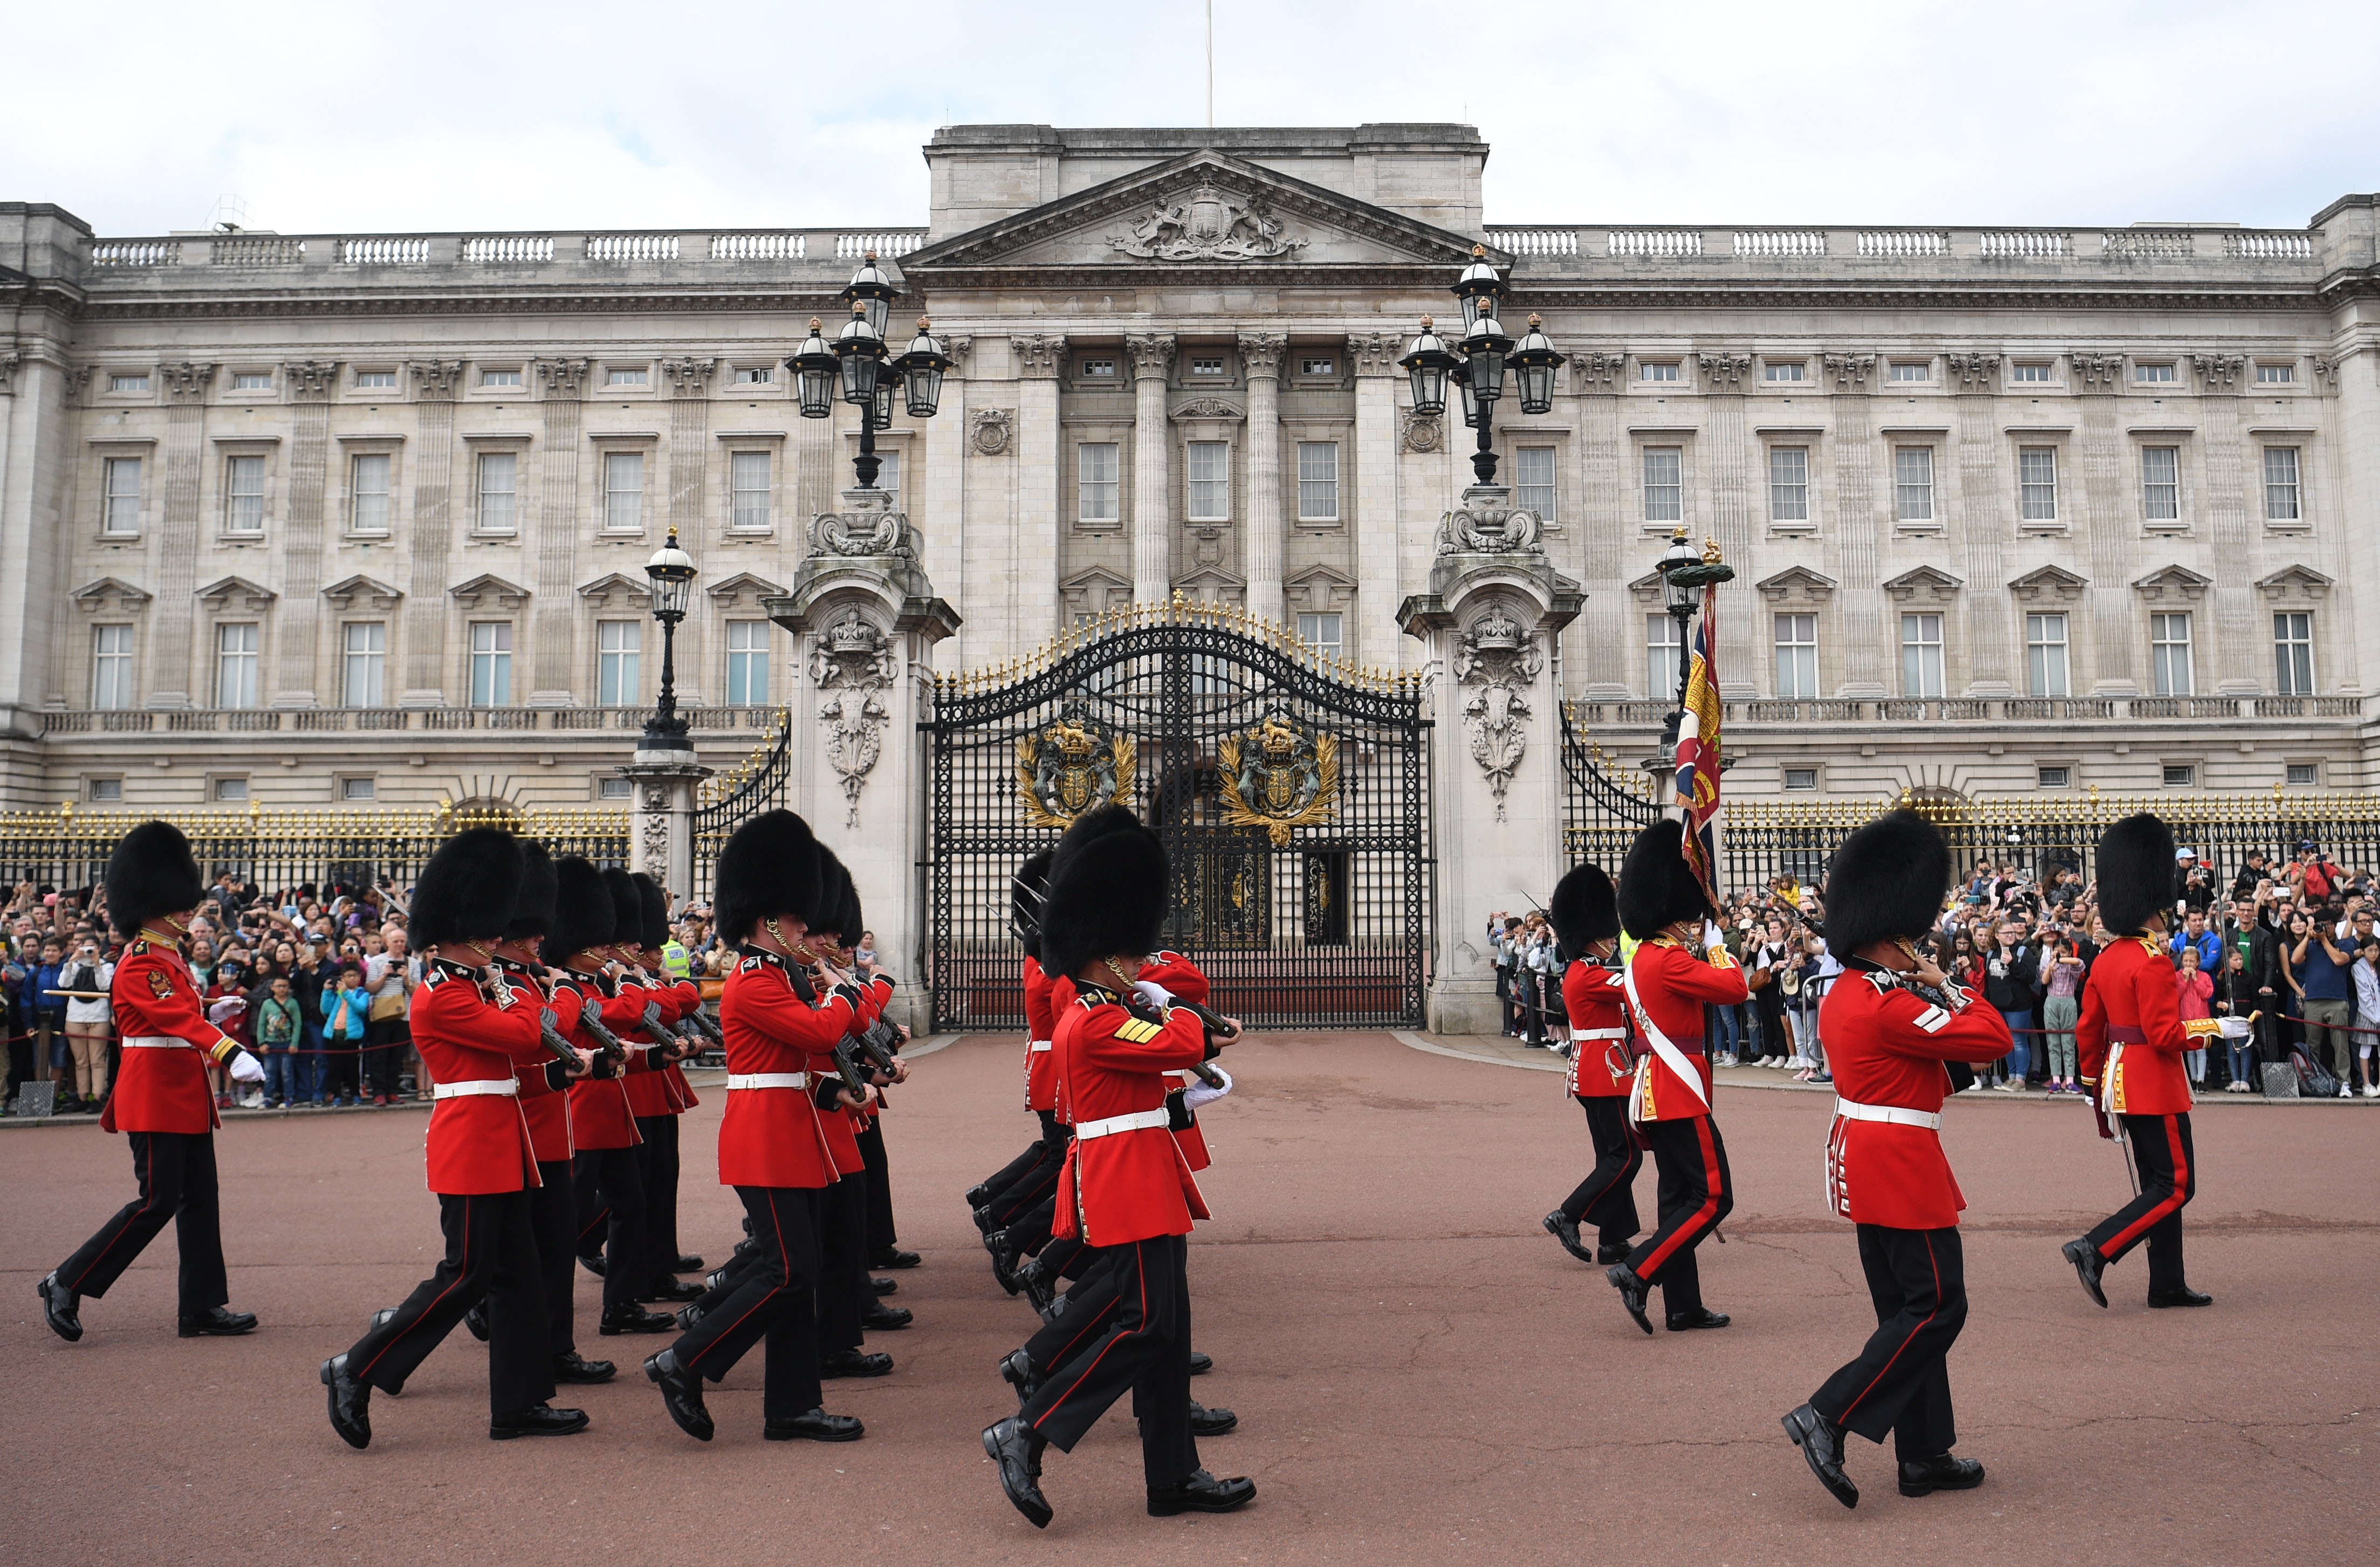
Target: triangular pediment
2295, 582
489, 590
732, 591
237, 592
2048, 582
1205, 213
370, 591
109, 592
1795, 581
2174, 582
1923, 585
613, 590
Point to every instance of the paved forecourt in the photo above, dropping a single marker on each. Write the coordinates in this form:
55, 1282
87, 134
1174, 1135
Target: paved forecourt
1419, 1369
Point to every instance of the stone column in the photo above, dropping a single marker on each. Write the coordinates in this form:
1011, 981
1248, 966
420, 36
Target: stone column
1984, 514
1260, 355
1727, 458
1604, 638
1372, 528
1492, 611
431, 535
2240, 660
1039, 532
866, 619
661, 841
554, 640
1152, 520
172, 659
940, 502
689, 468
2107, 525
297, 634
1855, 524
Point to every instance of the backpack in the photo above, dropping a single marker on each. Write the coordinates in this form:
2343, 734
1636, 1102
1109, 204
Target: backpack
2314, 1080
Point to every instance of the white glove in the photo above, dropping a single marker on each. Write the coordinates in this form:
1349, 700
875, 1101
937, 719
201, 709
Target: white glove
1153, 993
246, 1068
1198, 1093
229, 1007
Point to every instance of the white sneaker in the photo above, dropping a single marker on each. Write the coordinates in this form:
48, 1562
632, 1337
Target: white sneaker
2345, 1092
2371, 1092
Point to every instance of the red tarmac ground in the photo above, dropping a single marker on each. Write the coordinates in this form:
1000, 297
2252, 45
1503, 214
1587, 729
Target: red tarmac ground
1421, 1375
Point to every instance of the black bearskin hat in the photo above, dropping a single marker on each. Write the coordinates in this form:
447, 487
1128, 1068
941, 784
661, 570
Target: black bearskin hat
769, 867
1025, 890
1584, 911
533, 912
2135, 873
1109, 892
824, 910
468, 890
627, 907
582, 910
1885, 882
1656, 886
652, 923
151, 871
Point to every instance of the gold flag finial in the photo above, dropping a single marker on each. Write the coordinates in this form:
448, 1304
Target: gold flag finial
1710, 551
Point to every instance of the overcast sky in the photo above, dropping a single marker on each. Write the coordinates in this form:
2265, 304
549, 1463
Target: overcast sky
433, 115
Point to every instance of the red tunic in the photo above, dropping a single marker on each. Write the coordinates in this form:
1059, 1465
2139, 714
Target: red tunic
600, 1116
546, 1109
1123, 1183
1885, 1045
477, 1143
161, 1086
1041, 1026
774, 1135
1672, 985
2131, 1031
648, 1089
688, 996
843, 1126
1183, 980
1596, 1000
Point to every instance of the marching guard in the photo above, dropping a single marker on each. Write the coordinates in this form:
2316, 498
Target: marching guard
668, 1097
1893, 1026
2131, 1039
162, 1103
1125, 1187
473, 1033
1663, 905
1594, 994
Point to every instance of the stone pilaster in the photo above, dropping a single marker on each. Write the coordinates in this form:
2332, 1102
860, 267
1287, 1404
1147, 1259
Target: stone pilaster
172, 657
1490, 619
1987, 512
1374, 542
1728, 454
689, 467
2107, 524
2241, 657
661, 842
1152, 522
430, 541
1260, 356
298, 635
1855, 523
552, 636
1039, 534
1602, 638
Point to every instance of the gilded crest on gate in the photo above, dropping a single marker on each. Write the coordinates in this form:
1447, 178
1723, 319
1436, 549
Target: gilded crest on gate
1278, 776
1072, 766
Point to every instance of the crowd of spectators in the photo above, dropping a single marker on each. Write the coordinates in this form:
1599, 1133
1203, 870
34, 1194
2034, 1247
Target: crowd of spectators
2283, 954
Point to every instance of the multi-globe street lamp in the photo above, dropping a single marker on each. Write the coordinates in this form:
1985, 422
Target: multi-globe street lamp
1486, 363
860, 364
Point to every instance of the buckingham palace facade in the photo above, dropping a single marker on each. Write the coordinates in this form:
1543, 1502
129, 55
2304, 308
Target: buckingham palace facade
322, 518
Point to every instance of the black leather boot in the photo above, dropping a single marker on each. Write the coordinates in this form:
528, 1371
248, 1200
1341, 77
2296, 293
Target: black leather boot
681, 1394
1633, 1292
60, 1308
1822, 1448
350, 1403
1013, 1445
1200, 1492
2088, 1266
816, 1425
1945, 1473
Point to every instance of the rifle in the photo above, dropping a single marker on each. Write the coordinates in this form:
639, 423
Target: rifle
847, 1066
590, 1018
1209, 1020
655, 1029
551, 1037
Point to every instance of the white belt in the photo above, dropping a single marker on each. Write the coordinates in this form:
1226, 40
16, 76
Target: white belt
1895, 1114
1599, 1033
768, 1080
1036, 1045
507, 1087
156, 1042
1142, 1121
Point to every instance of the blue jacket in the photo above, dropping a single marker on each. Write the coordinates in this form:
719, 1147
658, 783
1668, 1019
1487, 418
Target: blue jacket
41, 979
2210, 950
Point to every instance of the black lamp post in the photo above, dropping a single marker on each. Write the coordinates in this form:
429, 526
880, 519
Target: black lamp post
1685, 575
671, 572
860, 364
1479, 360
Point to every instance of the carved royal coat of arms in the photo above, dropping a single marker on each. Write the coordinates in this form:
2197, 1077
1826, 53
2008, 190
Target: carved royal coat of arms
1072, 766
1278, 776
1206, 226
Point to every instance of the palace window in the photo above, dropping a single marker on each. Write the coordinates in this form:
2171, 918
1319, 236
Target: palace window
120, 488
107, 791
1100, 370
243, 494
1210, 482
1789, 483
1660, 657
236, 665
2037, 475
1912, 483
367, 494
2158, 373
1098, 481
500, 378
2179, 775
2052, 777
1920, 655
357, 789
1317, 364
2293, 654
749, 489
1206, 364
2304, 774
755, 375
1903, 370
1801, 778
2029, 370
2276, 376
615, 788
617, 644
888, 476
1317, 481
499, 480
2172, 672
491, 663
1321, 633
1781, 372
2045, 655
747, 662
111, 666
1665, 483
363, 664
1797, 656
135, 383
1533, 474
2161, 483
1660, 369
625, 377
230, 790
253, 381
375, 380
2281, 497
624, 491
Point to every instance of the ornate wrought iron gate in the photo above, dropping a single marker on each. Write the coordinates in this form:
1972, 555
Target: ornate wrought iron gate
1601, 815
1292, 791
724, 803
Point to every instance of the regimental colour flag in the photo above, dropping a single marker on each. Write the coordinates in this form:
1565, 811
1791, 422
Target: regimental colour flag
1698, 753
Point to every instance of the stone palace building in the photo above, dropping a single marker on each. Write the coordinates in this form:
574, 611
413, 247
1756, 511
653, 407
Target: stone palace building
322, 519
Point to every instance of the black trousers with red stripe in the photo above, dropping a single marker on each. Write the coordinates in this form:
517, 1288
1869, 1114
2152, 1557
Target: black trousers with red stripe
610, 1184
177, 1171
1607, 1198
2168, 1162
1134, 1305
554, 1226
657, 1169
843, 1288
1696, 1192
770, 1301
492, 1255
1033, 1187
881, 1236
1901, 1380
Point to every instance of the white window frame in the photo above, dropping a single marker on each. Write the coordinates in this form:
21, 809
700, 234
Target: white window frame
2036, 494
1789, 484
1796, 636
1783, 373
490, 672
2293, 666
1317, 481
1541, 492
119, 510
363, 664
238, 647
369, 511
1664, 372
1324, 631
375, 380
1098, 367
503, 380
357, 786
108, 791
1663, 470
624, 506
2048, 670
1206, 365
2064, 779
2161, 483
2033, 373
483, 515
1660, 655
2284, 497
251, 381
628, 375
127, 383
2276, 375
1317, 364
747, 662
1912, 484
619, 655
1798, 780
245, 503
752, 508
1909, 371
1921, 654
111, 667
2173, 662
1098, 481
2159, 374
1207, 498
755, 375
